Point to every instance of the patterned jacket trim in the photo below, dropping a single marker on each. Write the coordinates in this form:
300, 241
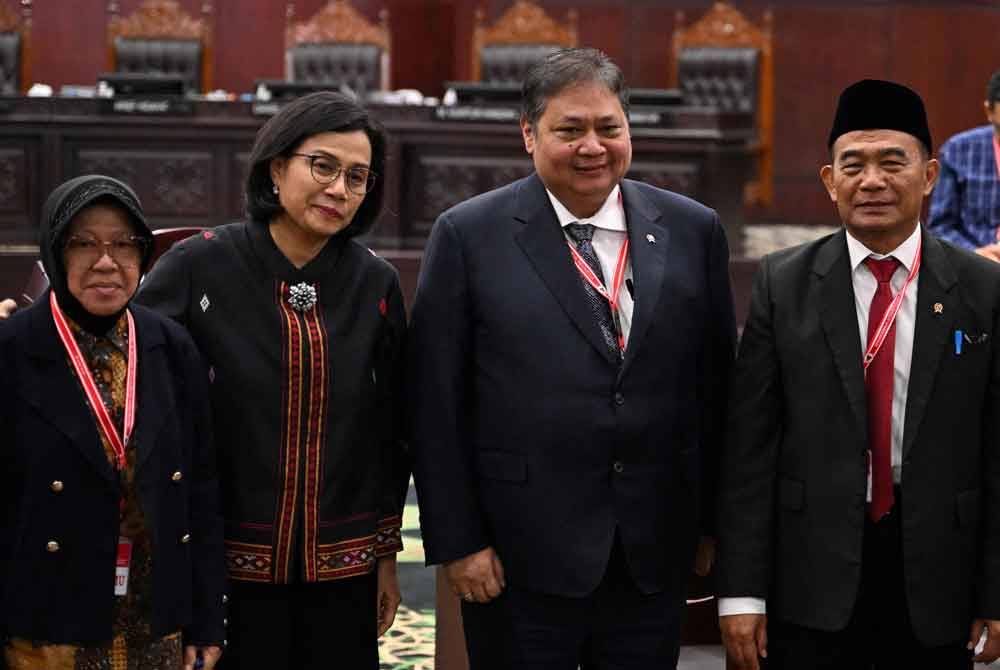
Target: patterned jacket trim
248, 562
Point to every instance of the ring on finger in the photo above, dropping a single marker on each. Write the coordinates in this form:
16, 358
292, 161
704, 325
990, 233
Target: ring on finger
467, 597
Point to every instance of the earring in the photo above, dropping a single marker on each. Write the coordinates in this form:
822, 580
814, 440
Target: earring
274, 189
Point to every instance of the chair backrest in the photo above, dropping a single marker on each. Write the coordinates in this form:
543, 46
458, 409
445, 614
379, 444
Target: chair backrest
163, 239
161, 38
724, 61
338, 44
15, 33
522, 36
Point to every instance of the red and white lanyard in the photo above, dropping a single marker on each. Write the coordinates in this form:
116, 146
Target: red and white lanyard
889, 318
104, 422
616, 283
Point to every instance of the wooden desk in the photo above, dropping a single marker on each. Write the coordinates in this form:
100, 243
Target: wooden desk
189, 169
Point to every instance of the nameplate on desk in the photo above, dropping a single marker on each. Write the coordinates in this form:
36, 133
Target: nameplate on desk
470, 113
644, 118
144, 106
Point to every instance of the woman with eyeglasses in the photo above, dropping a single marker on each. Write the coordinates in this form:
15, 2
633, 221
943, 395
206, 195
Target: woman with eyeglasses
303, 328
110, 528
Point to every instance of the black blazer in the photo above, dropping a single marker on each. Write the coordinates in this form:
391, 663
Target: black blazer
526, 433
49, 434
792, 508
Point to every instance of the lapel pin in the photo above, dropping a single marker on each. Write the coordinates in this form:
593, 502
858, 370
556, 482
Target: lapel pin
650, 238
938, 308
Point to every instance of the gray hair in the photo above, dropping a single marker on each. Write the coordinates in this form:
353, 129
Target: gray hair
564, 68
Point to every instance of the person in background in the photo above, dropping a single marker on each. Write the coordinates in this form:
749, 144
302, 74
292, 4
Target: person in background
965, 204
303, 328
859, 501
571, 341
110, 532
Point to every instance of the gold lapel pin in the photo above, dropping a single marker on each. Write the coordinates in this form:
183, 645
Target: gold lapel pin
938, 308
650, 238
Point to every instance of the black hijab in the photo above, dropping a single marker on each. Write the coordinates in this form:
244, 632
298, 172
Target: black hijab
61, 207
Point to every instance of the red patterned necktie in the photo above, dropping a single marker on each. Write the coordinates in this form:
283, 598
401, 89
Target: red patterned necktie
878, 383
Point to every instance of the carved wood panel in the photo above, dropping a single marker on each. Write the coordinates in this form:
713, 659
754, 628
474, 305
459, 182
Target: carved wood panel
441, 182
169, 183
13, 189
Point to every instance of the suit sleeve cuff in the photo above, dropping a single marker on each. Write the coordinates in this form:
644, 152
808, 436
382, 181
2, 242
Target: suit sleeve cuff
388, 536
731, 606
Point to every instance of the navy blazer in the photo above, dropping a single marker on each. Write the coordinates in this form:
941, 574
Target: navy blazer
527, 434
49, 434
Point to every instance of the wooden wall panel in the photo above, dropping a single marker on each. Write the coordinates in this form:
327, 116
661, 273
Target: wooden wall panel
941, 47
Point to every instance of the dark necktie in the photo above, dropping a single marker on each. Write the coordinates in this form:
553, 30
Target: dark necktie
878, 383
582, 234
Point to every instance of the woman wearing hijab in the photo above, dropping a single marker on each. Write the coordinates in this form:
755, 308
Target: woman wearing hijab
110, 532
302, 327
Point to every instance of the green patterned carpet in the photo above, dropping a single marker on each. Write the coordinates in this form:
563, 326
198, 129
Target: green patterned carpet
409, 644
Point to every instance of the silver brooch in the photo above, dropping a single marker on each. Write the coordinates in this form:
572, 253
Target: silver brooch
302, 297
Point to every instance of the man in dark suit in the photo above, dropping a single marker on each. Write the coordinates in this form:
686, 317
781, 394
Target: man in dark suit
571, 340
860, 487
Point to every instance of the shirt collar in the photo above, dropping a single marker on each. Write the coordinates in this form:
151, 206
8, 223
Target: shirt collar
609, 217
905, 253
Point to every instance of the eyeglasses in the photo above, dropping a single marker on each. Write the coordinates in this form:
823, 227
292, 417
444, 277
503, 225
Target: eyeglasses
358, 180
127, 252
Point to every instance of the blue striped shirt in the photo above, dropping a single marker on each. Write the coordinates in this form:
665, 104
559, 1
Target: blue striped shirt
965, 205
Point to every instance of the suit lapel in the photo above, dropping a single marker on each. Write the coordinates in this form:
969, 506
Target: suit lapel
648, 263
56, 394
543, 242
840, 322
930, 332
154, 401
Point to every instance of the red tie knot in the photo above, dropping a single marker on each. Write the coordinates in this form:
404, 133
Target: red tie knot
882, 269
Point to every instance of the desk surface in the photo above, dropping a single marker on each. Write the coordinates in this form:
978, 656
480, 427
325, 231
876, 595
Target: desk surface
188, 168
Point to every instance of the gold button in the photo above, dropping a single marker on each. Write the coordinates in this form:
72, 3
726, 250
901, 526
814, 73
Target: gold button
185, 538
177, 476
56, 486
52, 546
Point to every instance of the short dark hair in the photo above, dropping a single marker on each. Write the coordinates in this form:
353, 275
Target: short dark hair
564, 68
993, 89
321, 112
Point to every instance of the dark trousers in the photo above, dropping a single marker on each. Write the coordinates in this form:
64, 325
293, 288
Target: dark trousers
614, 628
322, 625
879, 634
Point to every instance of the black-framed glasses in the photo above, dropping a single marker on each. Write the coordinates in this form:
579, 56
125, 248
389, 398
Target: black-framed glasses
125, 251
325, 170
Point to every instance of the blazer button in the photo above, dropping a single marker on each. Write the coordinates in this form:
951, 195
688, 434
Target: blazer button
225, 621
52, 546
177, 476
185, 538
619, 399
56, 486
618, 467
225, 599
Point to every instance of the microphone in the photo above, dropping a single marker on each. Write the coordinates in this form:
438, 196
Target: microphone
630, 288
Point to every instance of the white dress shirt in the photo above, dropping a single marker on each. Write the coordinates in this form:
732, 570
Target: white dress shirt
610, 234
865, 284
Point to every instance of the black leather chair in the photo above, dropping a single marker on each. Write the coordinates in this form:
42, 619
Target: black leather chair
720, 77
338, 45
359, 66
10, 63
508, 64
522, 36
161, 38
724, 61
15, 32
181, 58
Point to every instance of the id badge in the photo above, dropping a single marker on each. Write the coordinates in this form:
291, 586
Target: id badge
868, 495
121, 565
